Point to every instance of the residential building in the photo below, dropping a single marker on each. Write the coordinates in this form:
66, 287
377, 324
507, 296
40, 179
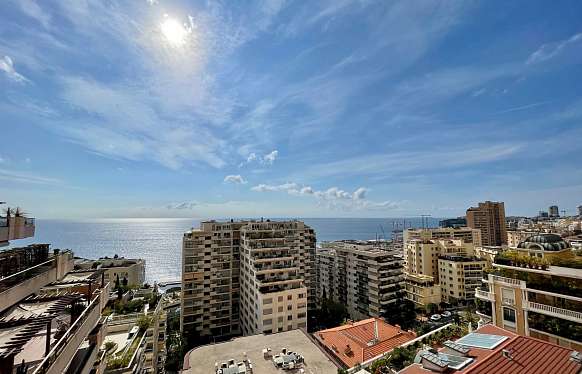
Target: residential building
579, 210
363, 341
459, 276
261, 354
553, 211
467, 234
525, 295
489, 217
453, 222
247, 277
491, 349
422, 289
15, 226
50, 318
364, 277
422, 267
133, 270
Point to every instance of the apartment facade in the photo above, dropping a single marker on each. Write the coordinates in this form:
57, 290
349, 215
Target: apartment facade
459, 276
365, 278
542, 302
247, 277
428, 252
489, 217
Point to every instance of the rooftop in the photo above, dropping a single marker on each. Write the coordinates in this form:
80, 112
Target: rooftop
492, 349
360, 341
202, 360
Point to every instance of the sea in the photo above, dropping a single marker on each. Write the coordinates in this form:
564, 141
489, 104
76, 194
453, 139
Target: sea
159, 240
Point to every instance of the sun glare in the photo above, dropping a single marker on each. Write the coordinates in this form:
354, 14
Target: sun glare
174, 32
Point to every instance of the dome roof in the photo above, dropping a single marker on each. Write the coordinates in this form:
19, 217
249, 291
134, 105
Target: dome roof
545, 242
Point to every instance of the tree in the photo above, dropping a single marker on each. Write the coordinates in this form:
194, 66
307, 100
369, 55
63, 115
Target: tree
432, 308
124, 282
144, 323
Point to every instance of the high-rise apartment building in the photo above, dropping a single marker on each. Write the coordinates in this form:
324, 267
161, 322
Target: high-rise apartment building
554, 211
365, 278
247, 277
489, 217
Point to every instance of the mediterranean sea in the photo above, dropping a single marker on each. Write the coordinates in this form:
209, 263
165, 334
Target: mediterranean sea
159, 240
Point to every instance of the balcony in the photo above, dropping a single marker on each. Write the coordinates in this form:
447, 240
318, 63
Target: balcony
553, 311
17, 227
484, 295
507, 281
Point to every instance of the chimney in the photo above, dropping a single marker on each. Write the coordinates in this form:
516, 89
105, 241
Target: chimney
375, 329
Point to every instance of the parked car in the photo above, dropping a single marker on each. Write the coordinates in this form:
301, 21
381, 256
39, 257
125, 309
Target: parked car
435, 317
446, 314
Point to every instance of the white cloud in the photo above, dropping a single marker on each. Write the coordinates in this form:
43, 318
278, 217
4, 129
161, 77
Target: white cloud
269, 158
332, 198
550, 50
7, 66
236, 179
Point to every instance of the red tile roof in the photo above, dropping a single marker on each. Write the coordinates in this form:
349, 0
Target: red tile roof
351, 343
530, 356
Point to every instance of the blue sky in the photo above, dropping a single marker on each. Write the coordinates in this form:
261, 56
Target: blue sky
289, 108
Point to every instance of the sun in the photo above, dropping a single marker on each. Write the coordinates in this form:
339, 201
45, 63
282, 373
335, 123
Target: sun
174, 32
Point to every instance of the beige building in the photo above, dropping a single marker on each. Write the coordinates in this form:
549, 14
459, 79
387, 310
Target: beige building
422, 289
488, 253
426, 252
459, 276
247, 277
467, 234
534, 300
365, 278
489, 217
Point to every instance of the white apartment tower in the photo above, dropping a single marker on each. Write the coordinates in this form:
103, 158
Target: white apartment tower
247, 277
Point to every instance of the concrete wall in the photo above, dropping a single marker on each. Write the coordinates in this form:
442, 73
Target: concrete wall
14, 294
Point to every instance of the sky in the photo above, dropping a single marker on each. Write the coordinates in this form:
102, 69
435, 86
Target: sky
279, 108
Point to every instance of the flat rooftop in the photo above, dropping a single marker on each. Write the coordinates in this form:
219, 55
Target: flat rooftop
201, 360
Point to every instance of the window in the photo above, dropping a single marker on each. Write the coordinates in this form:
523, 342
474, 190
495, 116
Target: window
509, 316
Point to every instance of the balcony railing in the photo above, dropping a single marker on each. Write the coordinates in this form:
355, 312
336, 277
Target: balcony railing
555, 312
509, 281
480, 294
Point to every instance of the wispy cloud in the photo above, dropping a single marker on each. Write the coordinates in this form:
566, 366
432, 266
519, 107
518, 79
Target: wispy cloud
7, 66
523, 107
27, 178
398, 163
235, 179
550, 50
